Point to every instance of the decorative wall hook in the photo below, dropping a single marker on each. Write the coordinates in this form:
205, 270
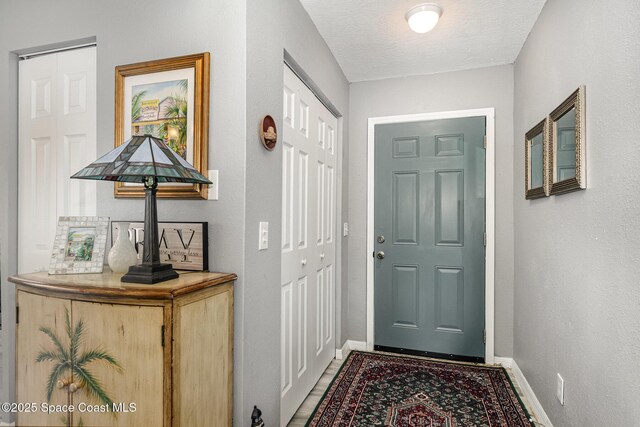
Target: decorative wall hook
268, 133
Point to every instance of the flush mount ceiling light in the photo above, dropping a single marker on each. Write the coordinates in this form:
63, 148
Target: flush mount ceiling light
423, 17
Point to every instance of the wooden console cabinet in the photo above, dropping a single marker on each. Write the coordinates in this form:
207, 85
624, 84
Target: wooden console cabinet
119, 354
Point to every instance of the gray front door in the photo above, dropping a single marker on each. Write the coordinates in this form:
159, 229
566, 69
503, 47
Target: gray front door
429, 237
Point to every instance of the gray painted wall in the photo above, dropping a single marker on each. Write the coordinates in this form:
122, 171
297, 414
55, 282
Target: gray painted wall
577, 296
480, 88
273, 26
198, 25
246, 40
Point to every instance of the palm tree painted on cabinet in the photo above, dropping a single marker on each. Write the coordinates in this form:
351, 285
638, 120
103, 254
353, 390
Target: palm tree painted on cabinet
70, 370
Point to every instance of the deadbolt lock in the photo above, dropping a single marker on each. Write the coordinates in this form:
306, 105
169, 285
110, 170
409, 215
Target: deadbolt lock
380, 239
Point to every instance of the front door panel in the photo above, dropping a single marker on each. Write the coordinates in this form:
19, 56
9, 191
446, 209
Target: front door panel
429, 236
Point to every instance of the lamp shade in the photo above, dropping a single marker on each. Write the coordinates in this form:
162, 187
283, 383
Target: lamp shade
139, 158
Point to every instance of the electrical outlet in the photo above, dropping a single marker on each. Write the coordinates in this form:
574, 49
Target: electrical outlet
560, 390
345, 229
213, 188
263, 242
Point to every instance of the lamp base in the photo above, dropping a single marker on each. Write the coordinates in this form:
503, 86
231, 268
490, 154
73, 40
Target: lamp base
149, 274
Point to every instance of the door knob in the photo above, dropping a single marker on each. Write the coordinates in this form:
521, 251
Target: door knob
304, 261
380, 255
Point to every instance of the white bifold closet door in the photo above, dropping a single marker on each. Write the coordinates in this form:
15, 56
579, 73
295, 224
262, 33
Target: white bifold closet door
56, 137
309, 173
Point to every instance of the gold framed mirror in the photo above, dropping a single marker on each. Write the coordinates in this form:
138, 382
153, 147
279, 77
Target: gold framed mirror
567, 159
535, 159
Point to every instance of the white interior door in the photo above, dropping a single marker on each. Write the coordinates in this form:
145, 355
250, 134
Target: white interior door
57, 137
309, 150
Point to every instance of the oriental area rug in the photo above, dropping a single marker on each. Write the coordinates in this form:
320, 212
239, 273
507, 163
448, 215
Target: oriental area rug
374, 389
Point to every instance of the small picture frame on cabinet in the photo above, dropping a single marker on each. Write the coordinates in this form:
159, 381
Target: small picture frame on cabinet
79, 245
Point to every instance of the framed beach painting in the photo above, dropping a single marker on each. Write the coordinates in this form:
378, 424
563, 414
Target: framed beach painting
168, 99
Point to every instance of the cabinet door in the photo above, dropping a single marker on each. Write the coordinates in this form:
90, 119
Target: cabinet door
122, 345
36, 313
203, 358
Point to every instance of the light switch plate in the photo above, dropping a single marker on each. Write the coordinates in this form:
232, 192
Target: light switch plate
213, 188
560, 390
263, 237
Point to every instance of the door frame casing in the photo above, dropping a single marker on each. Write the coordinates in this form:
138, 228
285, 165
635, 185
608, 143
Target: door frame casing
489, 114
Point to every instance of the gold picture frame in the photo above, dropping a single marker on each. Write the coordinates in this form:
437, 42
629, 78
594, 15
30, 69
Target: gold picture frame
146, 100
567, 144
535, 140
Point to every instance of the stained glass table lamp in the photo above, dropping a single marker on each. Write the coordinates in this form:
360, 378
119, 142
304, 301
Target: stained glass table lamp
146, 160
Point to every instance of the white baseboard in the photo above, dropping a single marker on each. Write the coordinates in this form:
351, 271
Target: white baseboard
506, 362
349, 345
2, 424
357, 345
342, 352
527, 391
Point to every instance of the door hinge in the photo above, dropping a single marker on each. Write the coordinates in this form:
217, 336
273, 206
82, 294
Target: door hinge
484, 336
17, 314
484, 239
484, 143
162, 335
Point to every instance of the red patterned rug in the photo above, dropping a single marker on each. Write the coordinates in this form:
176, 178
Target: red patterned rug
373, 389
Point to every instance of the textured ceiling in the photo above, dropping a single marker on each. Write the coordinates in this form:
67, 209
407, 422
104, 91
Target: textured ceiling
371, 39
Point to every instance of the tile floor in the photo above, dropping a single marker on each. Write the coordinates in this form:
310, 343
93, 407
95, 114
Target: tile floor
306, 409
